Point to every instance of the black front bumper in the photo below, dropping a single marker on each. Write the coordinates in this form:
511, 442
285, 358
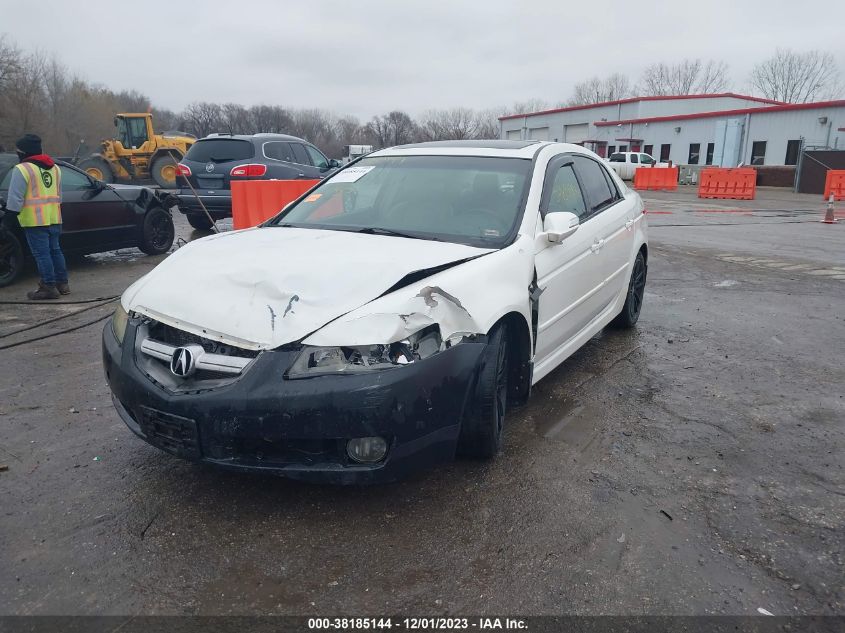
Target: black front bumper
218, 203
299, 428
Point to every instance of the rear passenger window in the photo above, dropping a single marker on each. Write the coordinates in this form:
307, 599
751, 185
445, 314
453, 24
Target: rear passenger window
277, 150
299, 154
566, 194
595, 182
635, 158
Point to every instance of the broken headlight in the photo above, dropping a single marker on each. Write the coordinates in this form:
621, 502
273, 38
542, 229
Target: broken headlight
118, 323
318, 361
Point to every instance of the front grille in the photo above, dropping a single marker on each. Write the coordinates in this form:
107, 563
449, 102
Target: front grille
171, 433
180, 338
217, 364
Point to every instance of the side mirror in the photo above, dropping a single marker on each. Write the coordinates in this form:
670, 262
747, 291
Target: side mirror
560, 225
334, 163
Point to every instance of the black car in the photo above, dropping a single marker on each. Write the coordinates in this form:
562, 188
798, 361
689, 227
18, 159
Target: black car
212, 163
96, 217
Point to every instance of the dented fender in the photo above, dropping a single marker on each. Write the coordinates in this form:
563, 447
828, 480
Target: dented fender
464, 300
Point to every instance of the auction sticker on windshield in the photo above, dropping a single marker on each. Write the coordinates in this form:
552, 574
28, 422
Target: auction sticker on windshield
352, 174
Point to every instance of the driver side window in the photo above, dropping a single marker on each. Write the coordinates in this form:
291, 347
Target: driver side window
319, 161
565, 193
72, 180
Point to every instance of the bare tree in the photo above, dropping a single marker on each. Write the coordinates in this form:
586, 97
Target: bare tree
598, 90
528, 106
10, 60
488, 123
454, 124
267, 118
236, 119
689, 76
394, 128
24, 93
203, 118
796, 77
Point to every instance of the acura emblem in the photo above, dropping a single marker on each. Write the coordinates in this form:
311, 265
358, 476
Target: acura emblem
183, 362
209, 167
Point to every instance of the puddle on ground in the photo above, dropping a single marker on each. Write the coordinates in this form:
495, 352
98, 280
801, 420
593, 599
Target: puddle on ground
572, 423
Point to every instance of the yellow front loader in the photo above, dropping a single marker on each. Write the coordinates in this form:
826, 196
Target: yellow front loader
138, 154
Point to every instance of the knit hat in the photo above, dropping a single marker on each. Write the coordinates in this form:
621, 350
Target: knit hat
29, 145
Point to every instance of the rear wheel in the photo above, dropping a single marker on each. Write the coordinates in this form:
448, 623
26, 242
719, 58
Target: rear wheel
11, 258
481, 430
158, 232
97, 168
200, 222
163, 171
634, 299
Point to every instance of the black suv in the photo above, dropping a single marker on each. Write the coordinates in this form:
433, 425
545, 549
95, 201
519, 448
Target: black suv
213, 162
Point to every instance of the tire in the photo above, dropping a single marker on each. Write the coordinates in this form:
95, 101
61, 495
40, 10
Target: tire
98, 169
634, 298
158, 232
200, 222
12, 258
163, 171
481, 430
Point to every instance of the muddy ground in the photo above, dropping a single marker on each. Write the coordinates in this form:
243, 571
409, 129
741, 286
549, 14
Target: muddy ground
692, 466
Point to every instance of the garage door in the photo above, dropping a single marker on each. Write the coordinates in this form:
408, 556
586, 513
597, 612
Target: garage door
513, 135
575, 133
538, 133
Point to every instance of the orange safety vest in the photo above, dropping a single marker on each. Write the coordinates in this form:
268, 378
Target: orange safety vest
41, 205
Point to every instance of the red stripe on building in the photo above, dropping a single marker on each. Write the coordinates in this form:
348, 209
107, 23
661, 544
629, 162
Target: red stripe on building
636, 99
721, 113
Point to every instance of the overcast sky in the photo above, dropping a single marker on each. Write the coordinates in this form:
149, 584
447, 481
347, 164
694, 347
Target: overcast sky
369, 56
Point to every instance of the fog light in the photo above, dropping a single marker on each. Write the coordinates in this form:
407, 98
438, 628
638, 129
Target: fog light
366, 449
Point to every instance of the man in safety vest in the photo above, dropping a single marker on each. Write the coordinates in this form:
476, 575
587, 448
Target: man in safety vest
35, 194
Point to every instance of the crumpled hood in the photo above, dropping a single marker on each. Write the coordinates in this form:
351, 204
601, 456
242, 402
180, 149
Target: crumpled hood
262, 288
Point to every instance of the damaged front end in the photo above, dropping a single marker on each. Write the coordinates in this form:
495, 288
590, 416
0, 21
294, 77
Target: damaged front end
330, 385
320, 361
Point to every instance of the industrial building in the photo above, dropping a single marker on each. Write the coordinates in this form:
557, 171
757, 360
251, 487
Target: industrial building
724, 129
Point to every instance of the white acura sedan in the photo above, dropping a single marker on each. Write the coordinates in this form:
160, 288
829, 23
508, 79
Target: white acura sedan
387, 318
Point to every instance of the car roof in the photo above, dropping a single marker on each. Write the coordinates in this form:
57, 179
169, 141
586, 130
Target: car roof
263, 136
496, 148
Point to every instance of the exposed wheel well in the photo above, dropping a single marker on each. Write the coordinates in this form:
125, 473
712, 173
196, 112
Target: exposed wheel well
644, 251
520, 366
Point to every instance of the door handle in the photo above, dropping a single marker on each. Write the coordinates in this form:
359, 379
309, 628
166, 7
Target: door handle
596, 247
629, 224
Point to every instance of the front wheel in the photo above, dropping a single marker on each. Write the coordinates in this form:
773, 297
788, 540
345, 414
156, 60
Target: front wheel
634, 299
158, 232
11, 258
481, 430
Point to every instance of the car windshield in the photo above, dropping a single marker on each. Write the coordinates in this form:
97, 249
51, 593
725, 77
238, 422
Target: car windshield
220, 150
466, 199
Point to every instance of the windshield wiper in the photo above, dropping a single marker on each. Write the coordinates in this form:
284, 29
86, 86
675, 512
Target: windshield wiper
376, 230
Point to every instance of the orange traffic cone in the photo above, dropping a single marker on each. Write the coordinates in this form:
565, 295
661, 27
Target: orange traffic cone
829, 217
